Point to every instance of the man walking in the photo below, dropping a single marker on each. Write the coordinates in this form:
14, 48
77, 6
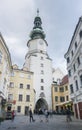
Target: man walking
31, 115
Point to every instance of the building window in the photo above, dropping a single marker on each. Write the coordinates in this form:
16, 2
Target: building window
0, 56
66, 88
42, 72
71, 88
21, 85
56, 98
81, 80
28, 86
61, 89
78, 61
11, 84
42, 58
56, 89
12, 74
69, 73
42, 65
62, 99
42, 87
67, 98
74, 68
75, 45
76, 83
42, 80
68, 60
20, 97
27, 98
72, 52
10, 97
18, 108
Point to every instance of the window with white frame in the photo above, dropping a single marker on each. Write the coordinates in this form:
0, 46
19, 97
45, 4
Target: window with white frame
21, 85
28, 86
10, 97
19, 109
11, 84
42, 87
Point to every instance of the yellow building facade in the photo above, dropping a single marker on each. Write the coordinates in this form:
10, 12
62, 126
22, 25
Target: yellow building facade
60, 96
21, 94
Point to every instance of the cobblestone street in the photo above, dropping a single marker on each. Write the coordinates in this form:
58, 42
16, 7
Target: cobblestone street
55, 123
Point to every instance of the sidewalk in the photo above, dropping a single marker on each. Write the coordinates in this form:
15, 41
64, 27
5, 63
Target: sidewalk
56, 122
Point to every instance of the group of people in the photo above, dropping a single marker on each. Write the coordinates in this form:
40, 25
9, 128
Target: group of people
40, 113
46, 113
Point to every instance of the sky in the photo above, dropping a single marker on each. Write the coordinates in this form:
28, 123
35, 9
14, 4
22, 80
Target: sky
59, 19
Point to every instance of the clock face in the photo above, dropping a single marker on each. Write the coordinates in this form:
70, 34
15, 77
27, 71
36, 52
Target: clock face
41, 42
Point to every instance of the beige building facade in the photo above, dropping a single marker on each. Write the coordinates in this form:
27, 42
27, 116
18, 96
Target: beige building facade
21, 94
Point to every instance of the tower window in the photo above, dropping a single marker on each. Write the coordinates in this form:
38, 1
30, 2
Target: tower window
42, 65
42, 80
42, 72
42, 87
42, 58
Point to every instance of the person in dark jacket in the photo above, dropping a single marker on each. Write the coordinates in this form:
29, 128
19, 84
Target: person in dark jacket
68, 114
31, 115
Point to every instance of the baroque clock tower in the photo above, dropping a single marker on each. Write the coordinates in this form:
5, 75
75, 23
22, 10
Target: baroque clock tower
38, 61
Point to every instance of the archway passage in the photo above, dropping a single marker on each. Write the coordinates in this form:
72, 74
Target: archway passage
41, 104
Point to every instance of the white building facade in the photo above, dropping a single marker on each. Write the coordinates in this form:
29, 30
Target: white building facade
5, 70
38, 61
57, 76
74, 67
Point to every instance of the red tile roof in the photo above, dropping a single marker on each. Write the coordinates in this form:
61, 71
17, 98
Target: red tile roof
64, 80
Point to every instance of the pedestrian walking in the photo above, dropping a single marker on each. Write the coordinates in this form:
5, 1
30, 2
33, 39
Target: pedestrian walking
40, 115
13, 115
31, 116
68, 114
46, 115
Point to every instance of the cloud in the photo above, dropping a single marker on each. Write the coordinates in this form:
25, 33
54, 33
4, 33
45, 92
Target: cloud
59, 19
